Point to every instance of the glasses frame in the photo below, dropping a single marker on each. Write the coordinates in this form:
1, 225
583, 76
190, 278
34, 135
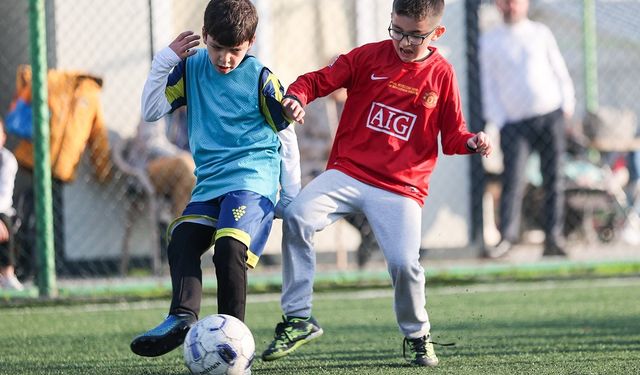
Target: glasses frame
422, 37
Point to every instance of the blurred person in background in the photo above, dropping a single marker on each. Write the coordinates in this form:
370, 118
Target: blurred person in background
170, 168
527, 92
76, 124
8, 170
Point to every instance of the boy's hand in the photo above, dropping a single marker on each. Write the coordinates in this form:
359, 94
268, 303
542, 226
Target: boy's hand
293, 110
185, 43
481, 144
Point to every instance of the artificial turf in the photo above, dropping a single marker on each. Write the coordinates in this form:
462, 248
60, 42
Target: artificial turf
559, 327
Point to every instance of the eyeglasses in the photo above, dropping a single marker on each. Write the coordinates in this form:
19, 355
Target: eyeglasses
413, 39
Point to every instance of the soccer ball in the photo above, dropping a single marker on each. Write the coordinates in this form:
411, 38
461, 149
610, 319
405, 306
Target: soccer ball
219, 344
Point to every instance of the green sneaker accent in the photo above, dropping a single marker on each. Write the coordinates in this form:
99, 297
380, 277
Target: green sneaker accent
290, 334
421, 352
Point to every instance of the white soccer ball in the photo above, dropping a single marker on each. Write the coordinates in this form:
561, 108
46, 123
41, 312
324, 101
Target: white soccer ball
219, 344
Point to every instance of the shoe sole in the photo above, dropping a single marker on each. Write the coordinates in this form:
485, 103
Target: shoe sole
154, 346
426, 363
284, 353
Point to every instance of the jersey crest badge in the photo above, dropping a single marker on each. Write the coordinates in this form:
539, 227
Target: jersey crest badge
430, 99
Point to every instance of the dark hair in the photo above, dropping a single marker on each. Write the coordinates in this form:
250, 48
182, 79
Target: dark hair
230, 22
419, 9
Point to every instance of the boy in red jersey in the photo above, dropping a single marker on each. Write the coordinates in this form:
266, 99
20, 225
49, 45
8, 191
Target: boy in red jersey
401, 94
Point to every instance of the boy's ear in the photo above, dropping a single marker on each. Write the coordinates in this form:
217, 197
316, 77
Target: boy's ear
440, 30
204, 36
253, 40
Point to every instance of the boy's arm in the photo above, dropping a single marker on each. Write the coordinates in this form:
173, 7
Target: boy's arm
164, 89
456, 139
155, 103
290, 176
271, 94
323, 82
453, 127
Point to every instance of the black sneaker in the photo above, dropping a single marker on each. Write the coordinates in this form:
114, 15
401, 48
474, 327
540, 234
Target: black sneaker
163, 338
421, 352
553, 250
290, 334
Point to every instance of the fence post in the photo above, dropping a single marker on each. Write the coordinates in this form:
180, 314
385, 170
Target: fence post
475, 120
590, 55
42, 165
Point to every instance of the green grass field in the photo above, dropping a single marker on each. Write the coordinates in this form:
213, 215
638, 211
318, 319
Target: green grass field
560, 327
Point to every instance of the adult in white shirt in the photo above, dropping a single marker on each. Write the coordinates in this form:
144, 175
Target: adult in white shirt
528, 93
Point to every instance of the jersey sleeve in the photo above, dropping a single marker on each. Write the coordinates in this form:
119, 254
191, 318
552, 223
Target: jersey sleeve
270, 98
323, 82
175, 92
290, 174
164, 89
453, 126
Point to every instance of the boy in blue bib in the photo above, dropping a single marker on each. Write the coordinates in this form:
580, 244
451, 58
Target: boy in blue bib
244, 150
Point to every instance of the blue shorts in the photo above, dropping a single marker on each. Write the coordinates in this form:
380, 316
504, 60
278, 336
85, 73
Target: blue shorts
243, 215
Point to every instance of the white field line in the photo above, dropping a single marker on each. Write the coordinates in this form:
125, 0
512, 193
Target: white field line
363, 294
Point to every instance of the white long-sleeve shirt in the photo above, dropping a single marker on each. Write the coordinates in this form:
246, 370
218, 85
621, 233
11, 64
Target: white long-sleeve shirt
523, 73
8, 170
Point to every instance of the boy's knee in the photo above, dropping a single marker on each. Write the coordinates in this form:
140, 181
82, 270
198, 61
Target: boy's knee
291, 218
187, 238
289, 212
228, 251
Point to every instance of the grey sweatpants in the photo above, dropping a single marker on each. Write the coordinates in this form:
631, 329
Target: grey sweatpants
396, 223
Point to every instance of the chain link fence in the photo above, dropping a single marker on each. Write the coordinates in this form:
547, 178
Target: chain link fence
115, 227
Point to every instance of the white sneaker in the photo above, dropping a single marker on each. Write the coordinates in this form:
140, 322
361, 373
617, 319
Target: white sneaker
10, 283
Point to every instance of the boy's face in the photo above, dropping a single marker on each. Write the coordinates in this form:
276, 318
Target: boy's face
225, 58
416, 35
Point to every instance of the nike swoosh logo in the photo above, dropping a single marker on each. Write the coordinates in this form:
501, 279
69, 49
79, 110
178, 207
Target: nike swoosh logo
374, 77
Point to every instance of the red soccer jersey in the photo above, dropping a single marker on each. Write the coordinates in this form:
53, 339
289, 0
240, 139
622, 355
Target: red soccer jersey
388, 132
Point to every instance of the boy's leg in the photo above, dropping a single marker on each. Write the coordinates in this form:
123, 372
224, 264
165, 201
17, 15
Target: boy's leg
396, 222
319, 204
244, 224
230, 260
188, 242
